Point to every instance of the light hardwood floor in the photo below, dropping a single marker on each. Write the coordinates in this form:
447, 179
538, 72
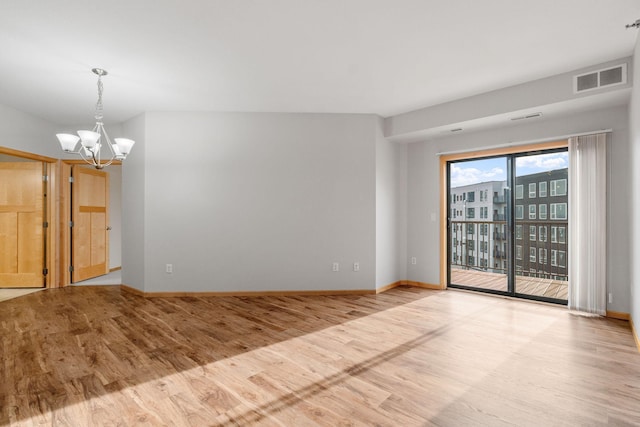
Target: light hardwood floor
408, 357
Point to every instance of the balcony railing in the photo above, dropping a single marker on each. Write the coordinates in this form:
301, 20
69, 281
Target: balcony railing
499, 199
482, 246
499, 217
499, 236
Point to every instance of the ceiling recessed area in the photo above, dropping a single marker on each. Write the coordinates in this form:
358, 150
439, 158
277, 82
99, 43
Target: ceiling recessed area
383, 57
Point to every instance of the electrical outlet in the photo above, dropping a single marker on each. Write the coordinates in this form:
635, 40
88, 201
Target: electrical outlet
356, 266
169, 268
414, 261
336, 266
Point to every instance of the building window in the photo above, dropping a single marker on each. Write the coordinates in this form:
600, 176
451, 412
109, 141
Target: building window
532, 254
481, 196
542, 256
554, 234
542, 233
486, 212
484, 229
532, 190
519, 232
562, 259
471, 196
532, 233
483, 263
532, 211
518, 252
455, 241
542, 188
554, 257
519, 191
542, 210
519, 212
558, 211
559, 187
470, 228
471, 260
471, 213
483, 247
471, 245
562, 238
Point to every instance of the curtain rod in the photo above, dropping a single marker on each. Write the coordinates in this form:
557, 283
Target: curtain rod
517, 143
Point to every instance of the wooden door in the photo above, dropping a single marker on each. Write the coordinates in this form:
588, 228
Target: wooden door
22, 255
90, 237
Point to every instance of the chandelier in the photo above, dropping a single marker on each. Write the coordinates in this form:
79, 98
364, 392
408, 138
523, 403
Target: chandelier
91, 141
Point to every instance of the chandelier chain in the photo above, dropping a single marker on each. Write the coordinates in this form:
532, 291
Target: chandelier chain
99, 109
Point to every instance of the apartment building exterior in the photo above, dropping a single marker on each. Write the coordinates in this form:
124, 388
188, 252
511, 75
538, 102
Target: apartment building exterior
478, 214
541, 224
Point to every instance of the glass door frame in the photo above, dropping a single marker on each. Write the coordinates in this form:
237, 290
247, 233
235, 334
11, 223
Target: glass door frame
511, 154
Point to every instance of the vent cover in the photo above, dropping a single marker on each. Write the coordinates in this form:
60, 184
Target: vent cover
601, 78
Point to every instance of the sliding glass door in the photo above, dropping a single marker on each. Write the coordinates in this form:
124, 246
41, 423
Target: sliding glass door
507, 224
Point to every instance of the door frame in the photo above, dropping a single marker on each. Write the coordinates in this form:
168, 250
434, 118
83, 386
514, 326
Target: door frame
474, 154
50, 214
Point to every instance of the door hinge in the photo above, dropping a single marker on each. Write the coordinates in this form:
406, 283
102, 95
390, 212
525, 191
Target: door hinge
71, 179
71, 268
45, 271
45, 224
71, 224
45, 178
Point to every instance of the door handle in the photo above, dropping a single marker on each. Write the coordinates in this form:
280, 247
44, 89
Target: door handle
108, 228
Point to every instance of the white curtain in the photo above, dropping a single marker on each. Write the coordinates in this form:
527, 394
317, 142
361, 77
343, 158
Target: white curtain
588, 223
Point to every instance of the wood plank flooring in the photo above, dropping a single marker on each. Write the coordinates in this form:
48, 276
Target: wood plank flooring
84, 356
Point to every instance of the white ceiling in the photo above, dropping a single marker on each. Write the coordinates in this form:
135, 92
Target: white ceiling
342, 56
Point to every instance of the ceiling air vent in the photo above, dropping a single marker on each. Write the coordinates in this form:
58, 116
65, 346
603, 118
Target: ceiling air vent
600, 78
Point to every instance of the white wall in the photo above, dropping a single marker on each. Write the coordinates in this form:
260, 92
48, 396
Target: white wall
133, 206
424, 194
251, 202
115, 216
634, 184
24, 132
390, 210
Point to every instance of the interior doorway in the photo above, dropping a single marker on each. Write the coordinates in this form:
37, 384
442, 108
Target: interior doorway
27, 188
89, 223
90, 220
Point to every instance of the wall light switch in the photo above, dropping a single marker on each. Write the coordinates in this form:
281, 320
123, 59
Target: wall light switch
336, 266
356, 266
414, 261
169, 268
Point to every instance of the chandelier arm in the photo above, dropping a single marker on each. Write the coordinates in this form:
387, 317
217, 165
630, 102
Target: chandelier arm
84, 157
109, 144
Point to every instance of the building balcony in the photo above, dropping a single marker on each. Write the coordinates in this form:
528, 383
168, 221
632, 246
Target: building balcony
534, 286
499, 200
